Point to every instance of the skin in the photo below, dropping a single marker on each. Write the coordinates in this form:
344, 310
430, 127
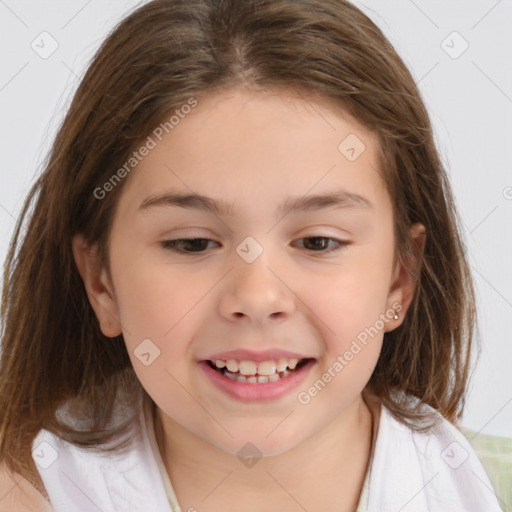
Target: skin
255, 149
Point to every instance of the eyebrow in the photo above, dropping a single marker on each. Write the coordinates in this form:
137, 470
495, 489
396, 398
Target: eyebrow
339, 199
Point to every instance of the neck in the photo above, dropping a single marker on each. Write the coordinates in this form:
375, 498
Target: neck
331, 465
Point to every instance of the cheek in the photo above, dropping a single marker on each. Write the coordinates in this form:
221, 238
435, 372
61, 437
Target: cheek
350, 299
349, 307
347, 311
158, 307
155, 301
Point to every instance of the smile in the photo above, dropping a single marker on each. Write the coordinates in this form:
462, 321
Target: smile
253, 372
250, 381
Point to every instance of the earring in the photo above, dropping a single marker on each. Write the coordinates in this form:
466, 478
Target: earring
395, 315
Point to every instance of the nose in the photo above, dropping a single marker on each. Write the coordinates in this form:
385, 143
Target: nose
256, 293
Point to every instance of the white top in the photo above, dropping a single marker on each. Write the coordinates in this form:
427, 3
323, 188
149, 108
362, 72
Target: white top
408, 472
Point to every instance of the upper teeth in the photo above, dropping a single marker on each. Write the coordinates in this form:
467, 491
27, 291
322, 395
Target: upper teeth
253, 368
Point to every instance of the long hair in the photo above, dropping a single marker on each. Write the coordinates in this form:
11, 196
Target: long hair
158, 58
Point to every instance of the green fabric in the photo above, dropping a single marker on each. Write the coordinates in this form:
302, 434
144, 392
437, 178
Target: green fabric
495, 453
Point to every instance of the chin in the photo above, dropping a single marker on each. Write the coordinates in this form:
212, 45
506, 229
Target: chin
263, 445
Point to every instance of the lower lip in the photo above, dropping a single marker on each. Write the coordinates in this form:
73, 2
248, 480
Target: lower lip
249, 392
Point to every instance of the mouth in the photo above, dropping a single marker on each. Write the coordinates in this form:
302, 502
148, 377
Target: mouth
253, 372
252, 381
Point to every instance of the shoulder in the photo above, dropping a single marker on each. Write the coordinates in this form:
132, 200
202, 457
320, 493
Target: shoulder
121, 478
438, 460
442, 442
17, 494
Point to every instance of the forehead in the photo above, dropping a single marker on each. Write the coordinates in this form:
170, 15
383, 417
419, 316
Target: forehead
251, 148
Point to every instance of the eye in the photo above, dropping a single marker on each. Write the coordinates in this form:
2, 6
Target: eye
321, 242
196, 245
199, 245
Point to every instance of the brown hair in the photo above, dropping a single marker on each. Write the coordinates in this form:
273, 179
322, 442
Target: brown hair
155, 60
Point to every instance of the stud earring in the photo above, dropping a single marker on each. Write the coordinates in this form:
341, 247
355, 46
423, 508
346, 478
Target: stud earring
395, 316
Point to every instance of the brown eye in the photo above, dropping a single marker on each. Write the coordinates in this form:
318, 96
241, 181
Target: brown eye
321, 244
186, 245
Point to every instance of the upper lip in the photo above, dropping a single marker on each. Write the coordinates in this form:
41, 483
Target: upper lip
249, 355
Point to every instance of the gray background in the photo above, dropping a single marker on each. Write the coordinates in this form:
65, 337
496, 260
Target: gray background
469, 96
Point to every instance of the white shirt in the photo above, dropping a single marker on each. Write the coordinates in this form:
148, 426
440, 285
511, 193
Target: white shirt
408, 472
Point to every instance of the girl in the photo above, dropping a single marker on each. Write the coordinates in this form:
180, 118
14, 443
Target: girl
242, 285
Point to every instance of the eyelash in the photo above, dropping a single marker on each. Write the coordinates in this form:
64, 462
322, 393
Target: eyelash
170, 245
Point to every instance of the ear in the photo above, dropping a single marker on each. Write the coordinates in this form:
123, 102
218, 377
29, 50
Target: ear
98, 287
402, 287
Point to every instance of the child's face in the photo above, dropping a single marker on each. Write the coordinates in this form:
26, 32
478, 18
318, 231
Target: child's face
254, 151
